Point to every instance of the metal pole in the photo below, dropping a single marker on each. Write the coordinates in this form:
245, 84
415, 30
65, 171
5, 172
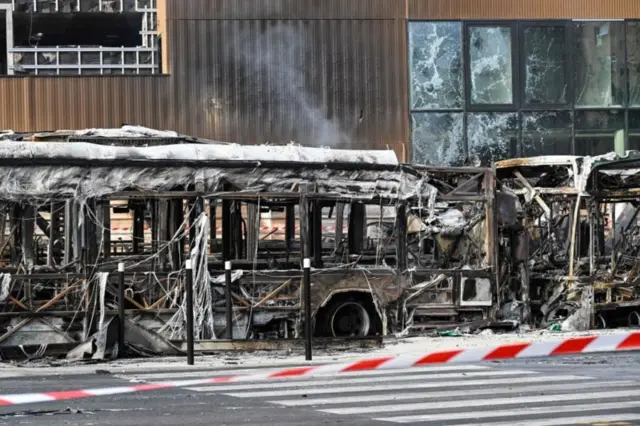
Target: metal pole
227, 283
121, 309
307, 308
189, 312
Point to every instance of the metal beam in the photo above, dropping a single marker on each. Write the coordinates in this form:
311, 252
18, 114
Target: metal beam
176, 219
401, 236
9, 36
339, 226
28, 220
253, 231
68, 232
316, 224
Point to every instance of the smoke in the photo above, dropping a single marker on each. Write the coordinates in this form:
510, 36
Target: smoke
280, 73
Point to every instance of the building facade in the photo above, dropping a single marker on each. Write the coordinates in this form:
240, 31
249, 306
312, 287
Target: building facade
439, 81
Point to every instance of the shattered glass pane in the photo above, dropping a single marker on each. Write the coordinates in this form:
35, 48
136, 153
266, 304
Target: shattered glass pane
490, 65
437, 139
595, 131
436, 64
544, 67
492, 136
633, 62
599, 64
546, 133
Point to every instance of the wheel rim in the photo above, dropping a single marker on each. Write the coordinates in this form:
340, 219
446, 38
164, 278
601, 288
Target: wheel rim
350, 319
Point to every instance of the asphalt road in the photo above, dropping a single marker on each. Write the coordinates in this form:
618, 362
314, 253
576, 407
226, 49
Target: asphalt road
597, 390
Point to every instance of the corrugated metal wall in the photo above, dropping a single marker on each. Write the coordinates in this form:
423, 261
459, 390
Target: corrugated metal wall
49, 103
318, 81
523, 9
286, 9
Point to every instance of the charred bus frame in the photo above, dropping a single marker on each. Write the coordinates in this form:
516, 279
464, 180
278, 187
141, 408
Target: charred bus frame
428, 258
574, 258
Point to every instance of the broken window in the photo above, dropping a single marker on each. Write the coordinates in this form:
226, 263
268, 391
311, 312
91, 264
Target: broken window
436, 64
66, 6
77, 29
492, 136
545, 79
546, 133
490, 65
599, 64
438, 138
71, 37
596, 130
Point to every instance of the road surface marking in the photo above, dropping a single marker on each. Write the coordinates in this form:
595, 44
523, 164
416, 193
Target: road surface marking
489, 402
561, 421
510, 390
319, 389
516, 412
355, 380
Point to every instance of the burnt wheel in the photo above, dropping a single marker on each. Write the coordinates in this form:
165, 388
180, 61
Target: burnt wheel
349, 319
348, 315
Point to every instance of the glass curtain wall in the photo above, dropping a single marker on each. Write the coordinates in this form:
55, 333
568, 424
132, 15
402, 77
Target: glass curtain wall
485, 91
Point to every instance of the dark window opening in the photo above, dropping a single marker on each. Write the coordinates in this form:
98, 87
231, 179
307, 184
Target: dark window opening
77, 29
469, 291
3, 43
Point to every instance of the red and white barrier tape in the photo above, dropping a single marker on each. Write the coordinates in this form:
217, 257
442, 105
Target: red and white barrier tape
264, 228
574, 346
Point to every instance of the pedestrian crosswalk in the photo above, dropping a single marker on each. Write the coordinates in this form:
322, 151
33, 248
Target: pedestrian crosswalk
448, 395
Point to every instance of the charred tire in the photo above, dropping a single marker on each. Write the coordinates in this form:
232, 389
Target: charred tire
634, 319
348, 316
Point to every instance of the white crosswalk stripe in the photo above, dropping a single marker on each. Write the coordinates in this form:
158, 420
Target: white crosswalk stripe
448, 395
10, 374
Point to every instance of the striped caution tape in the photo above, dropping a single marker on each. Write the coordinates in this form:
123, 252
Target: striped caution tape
125, 228
219, 229
573, 346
